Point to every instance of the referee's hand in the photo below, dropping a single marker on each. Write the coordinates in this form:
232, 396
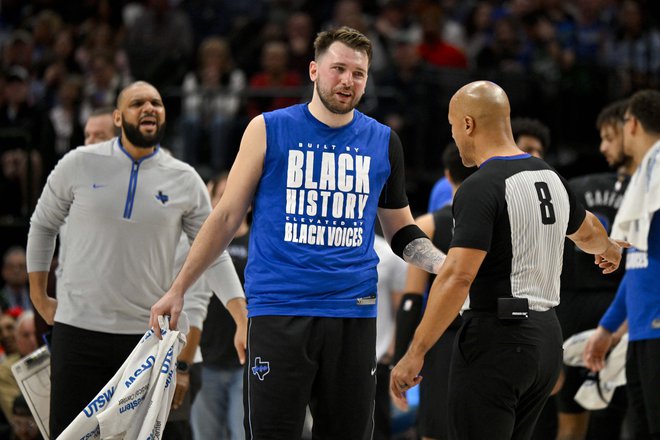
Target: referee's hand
610, 259
404, 376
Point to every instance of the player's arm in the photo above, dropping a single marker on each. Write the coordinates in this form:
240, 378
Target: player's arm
408, 241
221, 225
399, 228
409, 311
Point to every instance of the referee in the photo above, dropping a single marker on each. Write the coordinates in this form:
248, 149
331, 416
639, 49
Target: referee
511, 217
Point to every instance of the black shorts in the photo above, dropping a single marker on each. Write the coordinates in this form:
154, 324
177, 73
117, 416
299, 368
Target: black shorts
643, 385
328, 363
434, 388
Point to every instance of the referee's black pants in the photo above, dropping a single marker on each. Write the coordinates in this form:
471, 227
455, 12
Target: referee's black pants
501, 375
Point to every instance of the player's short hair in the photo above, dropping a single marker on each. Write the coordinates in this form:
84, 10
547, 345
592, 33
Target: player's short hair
350, 37
612, 114
645, 107
531, 127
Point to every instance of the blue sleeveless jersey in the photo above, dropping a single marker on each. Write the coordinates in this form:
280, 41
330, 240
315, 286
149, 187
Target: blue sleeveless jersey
311, 242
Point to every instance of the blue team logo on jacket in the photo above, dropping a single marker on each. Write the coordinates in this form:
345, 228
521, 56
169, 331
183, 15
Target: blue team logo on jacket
260, 369
163, 198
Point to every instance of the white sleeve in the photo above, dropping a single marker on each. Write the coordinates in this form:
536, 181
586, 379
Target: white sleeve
50, 213
198, 296
223, 279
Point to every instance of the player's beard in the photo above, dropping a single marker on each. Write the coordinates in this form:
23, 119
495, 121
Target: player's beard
140, 140
330, 102
621, 161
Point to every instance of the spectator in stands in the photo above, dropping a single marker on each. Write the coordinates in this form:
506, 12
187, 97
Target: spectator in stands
433, 47
7, 338
351, 13
102, 84
633, 52
159, 45
23, 423
413, 101
211, 102
300, 38
14, 292
23, 128
45, 26
478, 30
64, 116
274, 79
26, 343
505, 52
18, 50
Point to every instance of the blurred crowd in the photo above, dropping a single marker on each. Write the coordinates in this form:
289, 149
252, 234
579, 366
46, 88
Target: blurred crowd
219, 63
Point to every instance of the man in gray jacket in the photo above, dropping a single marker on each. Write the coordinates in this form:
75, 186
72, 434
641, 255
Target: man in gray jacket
126, 205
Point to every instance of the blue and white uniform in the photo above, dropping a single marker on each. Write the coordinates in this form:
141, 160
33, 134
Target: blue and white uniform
311, 273
311, 247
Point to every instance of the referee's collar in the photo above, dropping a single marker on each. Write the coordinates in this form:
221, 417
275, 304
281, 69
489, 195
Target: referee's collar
514, 157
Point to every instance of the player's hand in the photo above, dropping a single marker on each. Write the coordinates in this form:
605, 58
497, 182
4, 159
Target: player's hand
182, 386
237, 308
47, 308
596, 349
240, 341
610, 259
404, 376
170, 305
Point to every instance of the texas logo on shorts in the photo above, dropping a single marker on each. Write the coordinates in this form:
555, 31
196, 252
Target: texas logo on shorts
260, 369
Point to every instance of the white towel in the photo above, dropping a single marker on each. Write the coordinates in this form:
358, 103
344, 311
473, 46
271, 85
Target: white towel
135, 403
597, 394
641, 200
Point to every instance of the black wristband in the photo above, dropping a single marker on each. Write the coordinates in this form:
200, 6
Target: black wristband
407, 318
404, 236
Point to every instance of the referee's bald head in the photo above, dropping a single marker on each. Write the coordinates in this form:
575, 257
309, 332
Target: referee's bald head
479, 113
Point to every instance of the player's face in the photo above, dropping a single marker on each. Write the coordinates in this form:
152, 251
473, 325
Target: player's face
142, 116
340, 77
611, 144
98, 129
530, 145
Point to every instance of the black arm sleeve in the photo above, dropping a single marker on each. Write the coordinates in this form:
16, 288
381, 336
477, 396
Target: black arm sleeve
407, 319
394, 195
